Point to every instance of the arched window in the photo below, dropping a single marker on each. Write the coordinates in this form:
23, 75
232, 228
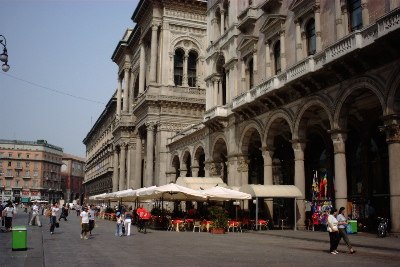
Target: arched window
355, 13
178, 66
277, 57
251, 73
192, 68
310, 35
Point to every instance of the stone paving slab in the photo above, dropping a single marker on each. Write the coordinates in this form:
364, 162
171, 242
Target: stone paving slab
162, 248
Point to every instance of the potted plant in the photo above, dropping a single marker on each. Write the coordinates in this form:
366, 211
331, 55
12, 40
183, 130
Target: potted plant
219, 217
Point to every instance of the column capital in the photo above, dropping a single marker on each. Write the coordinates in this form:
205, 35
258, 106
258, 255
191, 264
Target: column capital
338, 137
391, 128
298, 144
150, 125
154, 26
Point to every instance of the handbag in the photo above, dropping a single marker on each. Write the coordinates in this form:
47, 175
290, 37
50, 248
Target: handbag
349, 229
57, 224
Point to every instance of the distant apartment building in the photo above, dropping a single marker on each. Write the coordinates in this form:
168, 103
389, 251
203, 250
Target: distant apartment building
30, 170
72, 175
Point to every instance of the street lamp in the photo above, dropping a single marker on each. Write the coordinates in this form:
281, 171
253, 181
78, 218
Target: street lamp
4, 56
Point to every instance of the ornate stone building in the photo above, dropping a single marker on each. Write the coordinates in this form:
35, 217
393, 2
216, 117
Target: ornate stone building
294, 89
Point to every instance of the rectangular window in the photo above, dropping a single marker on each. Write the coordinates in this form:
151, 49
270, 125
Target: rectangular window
17, 173
1, 155
9, 173
26, 183
27, 174
9, 164
8, 183
16, 184
34, 183
1, 172
36, 156
27, 156
19, 155
27, 164
10, 155
35, 174
355, 12
36, 165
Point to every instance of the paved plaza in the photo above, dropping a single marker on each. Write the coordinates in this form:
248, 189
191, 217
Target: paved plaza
164, 248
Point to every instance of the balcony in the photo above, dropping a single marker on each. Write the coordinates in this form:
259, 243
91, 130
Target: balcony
27, 177
247, 18
320, 66
18, 167
8, 176
216, 116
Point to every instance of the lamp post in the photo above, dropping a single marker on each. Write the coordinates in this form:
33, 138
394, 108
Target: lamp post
4, 55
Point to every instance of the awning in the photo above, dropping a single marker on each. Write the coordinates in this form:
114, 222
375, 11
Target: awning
221, 193
200, 183
271, 191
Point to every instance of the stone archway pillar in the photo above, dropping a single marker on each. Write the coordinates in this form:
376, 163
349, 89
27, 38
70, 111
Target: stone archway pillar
392, 128
339, 146
195, 171
232, 171
149, 179
299, 179
243, 175
115, 172
268, 176
122, 163
183, 172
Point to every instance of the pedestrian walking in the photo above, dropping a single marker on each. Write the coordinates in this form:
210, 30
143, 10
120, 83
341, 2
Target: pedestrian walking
127, 222
92, 218
332, 227
8, 215
342, 224
84, 223
78, 209
54, 210
35, 215
120, 222
64, 213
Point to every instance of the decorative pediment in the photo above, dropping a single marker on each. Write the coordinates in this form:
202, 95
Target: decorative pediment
248, 44
273, 25
301, 7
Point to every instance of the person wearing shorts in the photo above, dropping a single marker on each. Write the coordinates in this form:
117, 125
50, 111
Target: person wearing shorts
84, 223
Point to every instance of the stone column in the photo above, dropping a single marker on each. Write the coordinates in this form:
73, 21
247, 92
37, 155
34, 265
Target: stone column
122, 165
126, 88
183, 171
244, 88
299, 46
129, 166
195, 171
185, 69
283, 54
119, 97
255, 67
338, 19
131, 92
392, 128
299, 179
220, 92
148, 180
115, 171
138, 164
365, 13
142, 68
345, 20
268, 176
268, 71
153, 56
318, 41
339, 146
171, 81
222, 21
215, 88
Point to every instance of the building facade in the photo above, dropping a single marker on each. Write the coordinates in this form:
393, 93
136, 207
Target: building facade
72, 176
296, 91
30, 171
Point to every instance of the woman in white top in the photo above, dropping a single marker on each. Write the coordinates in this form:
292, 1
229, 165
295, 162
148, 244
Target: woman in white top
333, 230
8, 214
342, 222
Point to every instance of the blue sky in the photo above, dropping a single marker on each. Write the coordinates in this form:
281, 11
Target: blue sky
64, 46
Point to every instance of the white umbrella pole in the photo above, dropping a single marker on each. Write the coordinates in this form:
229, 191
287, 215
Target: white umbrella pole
295, 217
256, 212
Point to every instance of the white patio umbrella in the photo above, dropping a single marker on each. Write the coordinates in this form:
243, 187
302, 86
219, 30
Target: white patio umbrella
171, 192
220, 193
97, 197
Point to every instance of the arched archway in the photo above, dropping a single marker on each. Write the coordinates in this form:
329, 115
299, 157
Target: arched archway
251, 146
176, 166
219, 157
199, 159
186, 169
367, 163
